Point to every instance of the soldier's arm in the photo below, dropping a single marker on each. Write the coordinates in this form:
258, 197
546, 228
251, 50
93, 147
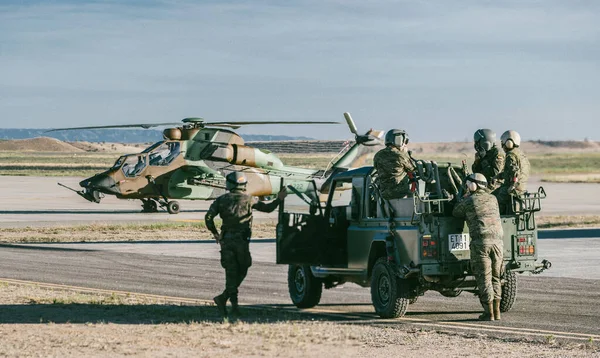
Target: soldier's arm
209, 219
512, 169
269, 207
498, 165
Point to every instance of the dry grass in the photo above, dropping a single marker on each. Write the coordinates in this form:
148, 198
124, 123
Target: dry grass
559, 222
573, 178
122, 233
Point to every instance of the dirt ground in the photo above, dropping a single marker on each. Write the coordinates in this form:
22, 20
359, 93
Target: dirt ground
37, 321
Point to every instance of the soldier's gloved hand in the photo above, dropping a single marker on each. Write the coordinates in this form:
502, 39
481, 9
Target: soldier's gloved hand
282, 194
217, 238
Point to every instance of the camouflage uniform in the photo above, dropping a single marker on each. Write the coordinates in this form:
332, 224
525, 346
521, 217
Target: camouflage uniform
393, 166
480, 210
490, 165
235, 209
515, 176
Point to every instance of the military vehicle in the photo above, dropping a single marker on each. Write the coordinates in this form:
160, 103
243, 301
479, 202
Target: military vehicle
399, 248
193, 159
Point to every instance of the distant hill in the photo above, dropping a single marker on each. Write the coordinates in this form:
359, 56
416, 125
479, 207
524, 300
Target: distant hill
115, 135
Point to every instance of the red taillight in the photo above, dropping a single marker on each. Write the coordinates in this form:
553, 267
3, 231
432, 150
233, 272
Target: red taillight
428, 246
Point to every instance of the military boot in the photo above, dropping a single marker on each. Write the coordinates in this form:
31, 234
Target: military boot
497, 309
488, 312
221, 302
235, 308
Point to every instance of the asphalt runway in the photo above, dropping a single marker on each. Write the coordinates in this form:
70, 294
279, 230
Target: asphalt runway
562, 302
29, 201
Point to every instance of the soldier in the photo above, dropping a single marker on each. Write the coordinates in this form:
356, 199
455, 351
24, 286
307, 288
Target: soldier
489, 161
394, 166
481, 213
235, 209
516, 171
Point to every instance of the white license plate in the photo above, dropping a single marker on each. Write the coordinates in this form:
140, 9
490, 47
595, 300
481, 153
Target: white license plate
458, 242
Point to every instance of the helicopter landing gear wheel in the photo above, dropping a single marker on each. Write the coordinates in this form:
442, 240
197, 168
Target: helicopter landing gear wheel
173, 207
149, 206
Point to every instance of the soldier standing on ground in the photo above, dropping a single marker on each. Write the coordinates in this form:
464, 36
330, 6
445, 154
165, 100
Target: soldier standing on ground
235, 209
480, 210
516, 171
489, 161
394, 165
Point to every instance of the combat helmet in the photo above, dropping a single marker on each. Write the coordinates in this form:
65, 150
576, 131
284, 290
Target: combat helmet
484, 140
510, 139
476, 181
396, 137
236, 180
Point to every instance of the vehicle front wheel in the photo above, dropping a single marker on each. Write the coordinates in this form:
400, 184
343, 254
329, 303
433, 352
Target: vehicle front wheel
389, 294
509, 291
305, 289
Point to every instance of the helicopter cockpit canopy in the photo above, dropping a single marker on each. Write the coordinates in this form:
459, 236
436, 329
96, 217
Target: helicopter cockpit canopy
165, 153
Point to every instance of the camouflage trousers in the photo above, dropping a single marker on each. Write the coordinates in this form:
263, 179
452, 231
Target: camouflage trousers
486, 263
236, 260
395, 191
503, 195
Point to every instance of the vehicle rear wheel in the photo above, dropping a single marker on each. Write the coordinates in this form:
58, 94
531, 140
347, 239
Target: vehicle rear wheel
413, 300
304, 288
509, 291
389, 294
173, 207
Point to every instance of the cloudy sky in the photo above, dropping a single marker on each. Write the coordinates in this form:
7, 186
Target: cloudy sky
439, 69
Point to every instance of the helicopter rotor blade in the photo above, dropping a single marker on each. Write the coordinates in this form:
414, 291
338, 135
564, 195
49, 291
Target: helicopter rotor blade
141, 125
243, 123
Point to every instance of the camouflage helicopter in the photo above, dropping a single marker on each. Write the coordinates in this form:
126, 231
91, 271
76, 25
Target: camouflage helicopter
193, 159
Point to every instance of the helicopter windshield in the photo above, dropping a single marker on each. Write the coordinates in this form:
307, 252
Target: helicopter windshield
134, 165
153, 147
165, 153
118, 163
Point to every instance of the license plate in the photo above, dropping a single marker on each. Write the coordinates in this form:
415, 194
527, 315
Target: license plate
458, 242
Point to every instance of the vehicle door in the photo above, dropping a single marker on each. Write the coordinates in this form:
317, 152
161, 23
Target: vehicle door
301, 225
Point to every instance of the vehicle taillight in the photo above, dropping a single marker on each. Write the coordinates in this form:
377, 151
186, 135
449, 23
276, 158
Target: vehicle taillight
525, 245
429, 247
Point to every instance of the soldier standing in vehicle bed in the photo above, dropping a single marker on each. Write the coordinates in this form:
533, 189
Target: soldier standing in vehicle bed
516, 171
235, 209
394, 165
480, 210
489, 161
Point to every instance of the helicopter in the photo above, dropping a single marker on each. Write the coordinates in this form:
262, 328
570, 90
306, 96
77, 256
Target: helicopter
192, 160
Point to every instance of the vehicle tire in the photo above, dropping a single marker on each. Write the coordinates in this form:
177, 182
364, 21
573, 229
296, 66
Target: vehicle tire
304, 288
413, 300
149, 206
389, 294
173, 207
509, 291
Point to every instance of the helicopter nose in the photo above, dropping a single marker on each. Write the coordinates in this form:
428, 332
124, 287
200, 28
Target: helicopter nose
102, 183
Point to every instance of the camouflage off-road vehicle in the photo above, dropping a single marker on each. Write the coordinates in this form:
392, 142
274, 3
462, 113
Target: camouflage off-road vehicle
400, 248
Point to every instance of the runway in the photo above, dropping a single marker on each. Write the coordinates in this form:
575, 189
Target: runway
30, 201
562, 302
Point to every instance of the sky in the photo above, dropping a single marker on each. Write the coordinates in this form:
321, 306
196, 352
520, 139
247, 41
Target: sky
438, 69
